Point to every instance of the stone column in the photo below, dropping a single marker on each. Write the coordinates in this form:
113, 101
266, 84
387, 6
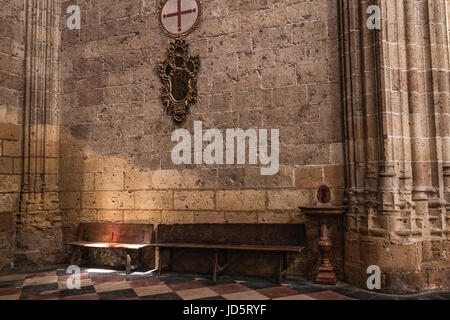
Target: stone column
395, 86
39, 221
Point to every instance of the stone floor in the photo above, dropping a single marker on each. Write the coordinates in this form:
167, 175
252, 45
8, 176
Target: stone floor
104, 284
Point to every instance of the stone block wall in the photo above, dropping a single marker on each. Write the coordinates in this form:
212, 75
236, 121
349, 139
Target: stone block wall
12, 18
263, 65
84, 137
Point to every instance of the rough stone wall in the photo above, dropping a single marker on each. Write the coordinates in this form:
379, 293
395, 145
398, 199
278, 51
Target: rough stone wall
12, 17
264, 64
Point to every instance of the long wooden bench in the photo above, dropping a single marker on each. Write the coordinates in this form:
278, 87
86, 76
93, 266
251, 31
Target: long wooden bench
112, 235
221, 238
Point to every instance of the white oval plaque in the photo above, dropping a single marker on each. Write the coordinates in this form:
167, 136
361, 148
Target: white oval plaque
178, 18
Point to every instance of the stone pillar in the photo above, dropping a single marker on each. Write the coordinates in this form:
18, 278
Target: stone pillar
395, 88
39, 221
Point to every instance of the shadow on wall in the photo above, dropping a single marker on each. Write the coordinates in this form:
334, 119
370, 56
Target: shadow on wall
108, 188
97, 187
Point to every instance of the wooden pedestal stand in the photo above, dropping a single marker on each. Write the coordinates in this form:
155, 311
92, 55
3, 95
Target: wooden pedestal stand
326, 274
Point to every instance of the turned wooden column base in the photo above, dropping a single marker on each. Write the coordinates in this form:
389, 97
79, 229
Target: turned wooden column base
326, 276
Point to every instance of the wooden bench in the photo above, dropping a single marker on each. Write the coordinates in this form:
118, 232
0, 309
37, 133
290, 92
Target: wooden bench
112, 235
221, 238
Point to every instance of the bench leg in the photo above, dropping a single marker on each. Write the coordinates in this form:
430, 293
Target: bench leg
160, 261
280, 268
128, 267
216, 262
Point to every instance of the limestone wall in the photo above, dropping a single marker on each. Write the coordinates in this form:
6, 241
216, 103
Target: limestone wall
264, 64
364, 111
11, 102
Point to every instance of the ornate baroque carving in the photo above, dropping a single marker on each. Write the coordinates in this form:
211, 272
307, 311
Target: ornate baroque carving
178, 74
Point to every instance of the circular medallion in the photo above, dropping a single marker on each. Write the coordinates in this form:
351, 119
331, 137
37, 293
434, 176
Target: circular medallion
178, 18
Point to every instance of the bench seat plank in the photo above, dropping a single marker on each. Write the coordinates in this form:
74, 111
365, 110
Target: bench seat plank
229, 247
89, 244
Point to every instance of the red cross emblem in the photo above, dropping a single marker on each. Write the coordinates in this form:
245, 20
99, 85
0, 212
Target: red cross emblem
186, 12
179, 13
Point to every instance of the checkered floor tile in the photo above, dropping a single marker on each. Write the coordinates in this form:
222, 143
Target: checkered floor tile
101, 284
